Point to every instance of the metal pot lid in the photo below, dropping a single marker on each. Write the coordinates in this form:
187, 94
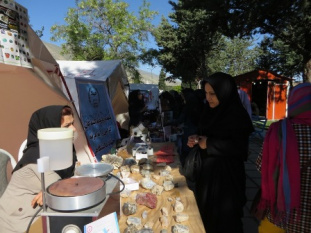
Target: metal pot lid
94, 169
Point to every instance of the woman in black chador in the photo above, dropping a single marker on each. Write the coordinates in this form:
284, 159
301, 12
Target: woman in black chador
224, 130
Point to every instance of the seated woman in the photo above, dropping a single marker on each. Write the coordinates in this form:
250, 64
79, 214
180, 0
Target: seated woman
20, 201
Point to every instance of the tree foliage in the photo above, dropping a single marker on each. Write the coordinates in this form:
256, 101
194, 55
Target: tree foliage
162, 77
135, 77
183, 45
287, 22
192, 46
277, 56
233, 56
105, 30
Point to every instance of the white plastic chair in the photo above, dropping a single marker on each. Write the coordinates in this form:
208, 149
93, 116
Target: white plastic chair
4, 159
21, 149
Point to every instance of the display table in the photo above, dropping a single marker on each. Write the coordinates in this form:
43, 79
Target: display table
166, 199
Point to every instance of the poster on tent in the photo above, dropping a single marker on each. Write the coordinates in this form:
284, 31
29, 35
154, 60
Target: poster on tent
97, 116
14, 49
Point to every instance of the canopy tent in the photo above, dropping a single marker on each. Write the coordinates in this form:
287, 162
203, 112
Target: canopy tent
111, 72
267, 90
24, 90
99, 90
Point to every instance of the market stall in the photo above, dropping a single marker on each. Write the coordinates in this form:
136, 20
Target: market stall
174, 208
167, 201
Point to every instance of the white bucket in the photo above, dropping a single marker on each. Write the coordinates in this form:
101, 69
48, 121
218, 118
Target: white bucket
56, 144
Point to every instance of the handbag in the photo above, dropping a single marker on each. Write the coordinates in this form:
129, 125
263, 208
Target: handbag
193, 163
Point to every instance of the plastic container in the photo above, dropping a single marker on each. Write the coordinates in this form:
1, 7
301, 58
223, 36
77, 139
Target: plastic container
56, 144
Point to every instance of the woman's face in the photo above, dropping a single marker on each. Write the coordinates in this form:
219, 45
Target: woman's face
211, 96
67, 122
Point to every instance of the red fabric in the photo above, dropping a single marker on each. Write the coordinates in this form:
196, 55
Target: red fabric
274, 184
165, 154
280, 170
164, 159
165, 150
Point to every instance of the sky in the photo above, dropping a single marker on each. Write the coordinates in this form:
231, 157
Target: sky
49, 12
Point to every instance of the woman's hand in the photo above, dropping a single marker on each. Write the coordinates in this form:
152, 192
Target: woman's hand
193, 140
196, 139
37, 200
202, 142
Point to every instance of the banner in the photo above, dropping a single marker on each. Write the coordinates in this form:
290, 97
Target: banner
14, 49
97, 116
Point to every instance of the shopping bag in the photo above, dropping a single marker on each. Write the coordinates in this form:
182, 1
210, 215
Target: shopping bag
193, 163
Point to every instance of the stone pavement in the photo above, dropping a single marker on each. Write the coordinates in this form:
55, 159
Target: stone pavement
253, 178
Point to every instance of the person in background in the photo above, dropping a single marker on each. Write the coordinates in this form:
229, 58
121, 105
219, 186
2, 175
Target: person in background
245, 101
224, 130
189, 118
285, 166
137, 107
178, 103
23, 195
167, 101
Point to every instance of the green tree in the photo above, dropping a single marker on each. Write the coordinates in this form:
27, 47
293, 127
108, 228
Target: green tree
283, 20
192, 46
135, 77
233, 56
183, 43
278, 57
105, 30
162, 77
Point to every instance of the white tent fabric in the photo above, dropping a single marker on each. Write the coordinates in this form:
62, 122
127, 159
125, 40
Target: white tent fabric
24, 90
112, 72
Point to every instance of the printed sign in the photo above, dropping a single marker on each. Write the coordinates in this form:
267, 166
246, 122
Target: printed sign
97, 116
14, 49
107, 224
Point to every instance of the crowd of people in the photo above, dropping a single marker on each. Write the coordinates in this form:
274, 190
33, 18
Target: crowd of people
214, 117
217, 118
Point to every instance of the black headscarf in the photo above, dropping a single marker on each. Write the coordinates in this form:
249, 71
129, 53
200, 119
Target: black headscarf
47, 117
230, 113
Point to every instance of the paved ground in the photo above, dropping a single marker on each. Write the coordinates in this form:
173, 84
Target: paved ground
252, 184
